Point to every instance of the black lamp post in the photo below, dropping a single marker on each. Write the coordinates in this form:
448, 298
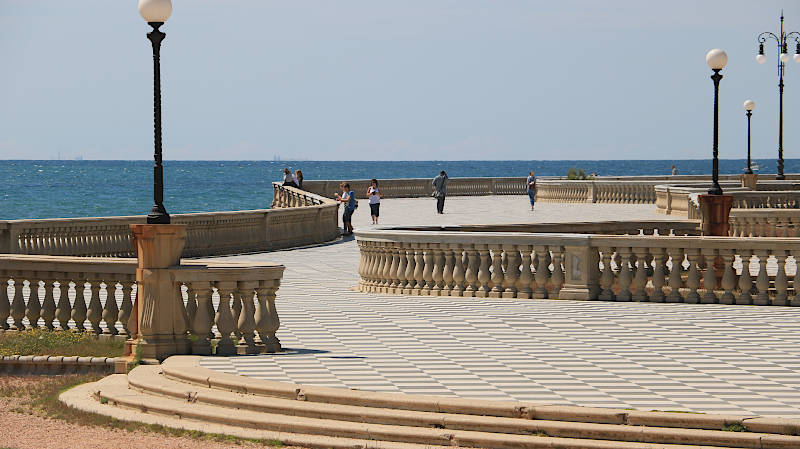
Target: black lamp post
716, 59
783, 57
749, 105
156, 12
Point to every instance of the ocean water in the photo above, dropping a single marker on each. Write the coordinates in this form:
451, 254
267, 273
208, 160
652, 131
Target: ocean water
50, 189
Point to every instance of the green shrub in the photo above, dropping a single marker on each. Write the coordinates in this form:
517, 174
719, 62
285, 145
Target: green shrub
67, 343
579, 175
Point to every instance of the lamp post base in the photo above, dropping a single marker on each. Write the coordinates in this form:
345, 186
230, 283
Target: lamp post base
715, 211
750, 180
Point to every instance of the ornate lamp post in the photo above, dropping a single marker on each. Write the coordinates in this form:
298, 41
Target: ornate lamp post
749, 105
783, 57
716, 59
156, 12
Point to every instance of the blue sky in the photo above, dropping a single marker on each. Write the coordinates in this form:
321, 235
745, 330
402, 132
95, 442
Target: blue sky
414, 79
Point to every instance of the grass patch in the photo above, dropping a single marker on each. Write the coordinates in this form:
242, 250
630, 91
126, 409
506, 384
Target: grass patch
734, 427
67, 343
38, 395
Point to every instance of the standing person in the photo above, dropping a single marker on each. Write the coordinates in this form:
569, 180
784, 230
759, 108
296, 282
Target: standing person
348, 197
298, 178
374, 194
288, 179
532, 188
674, 170
440, 190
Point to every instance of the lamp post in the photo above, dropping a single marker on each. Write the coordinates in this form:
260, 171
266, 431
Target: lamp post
156, 12
716, 59
783, 57
749, 105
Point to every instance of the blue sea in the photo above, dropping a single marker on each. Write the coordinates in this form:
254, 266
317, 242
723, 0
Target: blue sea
50, 189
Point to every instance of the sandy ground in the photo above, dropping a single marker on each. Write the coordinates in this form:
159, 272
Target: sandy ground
20, 429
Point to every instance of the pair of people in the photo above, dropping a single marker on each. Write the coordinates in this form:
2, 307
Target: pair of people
293, 179
348, 197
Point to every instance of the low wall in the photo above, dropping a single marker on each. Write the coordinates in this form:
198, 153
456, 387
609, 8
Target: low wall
421, 187
658, 268
298, 218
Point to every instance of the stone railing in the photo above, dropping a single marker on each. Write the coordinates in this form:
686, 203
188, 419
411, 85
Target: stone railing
300, 218
627, 192
765, 223
421, 187
657, 268
95, 294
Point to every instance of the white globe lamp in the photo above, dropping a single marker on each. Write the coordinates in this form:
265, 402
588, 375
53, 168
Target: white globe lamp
749, 105
784, 57
761, 59
716, 59
155, 10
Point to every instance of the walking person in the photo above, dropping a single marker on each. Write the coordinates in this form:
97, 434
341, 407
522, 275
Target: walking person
674, 170
374, 194
440, 190
348, 197
298, 178
288, 179
532, 188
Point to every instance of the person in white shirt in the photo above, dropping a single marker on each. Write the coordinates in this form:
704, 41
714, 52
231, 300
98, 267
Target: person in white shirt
374, 194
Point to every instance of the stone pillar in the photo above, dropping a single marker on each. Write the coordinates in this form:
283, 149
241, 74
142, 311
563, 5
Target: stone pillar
161, 320
581, 279
715, 212
749, 180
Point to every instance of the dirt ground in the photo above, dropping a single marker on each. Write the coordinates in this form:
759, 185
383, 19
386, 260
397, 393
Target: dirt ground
27, 408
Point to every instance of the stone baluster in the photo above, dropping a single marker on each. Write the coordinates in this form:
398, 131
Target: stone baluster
224, 318
710, 276
762, 280
363, 256
191, 304
79, 305
372, 260
269, 322
402, 264
126, 307
557, 276
497, 278
607, 277
201, 322
659, 278
693, 277
427, 271
449, 265
542, 274
624, 276
512, 271
5, 306
471, 276
48, 313
388, 257
745, 280
63, 307
484, 273
236, 311
379, 267
459, 272
640, 276
110, 309
795, 282
781, 282
525, 281
395, 281
728, 277
419, 267
247, 323
18, 305
438, 270
95, 311
33, 309
411, 266
675, 281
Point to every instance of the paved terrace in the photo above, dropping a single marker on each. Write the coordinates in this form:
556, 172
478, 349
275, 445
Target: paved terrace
702, 358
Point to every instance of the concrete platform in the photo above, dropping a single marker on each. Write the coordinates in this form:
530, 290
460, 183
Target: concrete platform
701, 358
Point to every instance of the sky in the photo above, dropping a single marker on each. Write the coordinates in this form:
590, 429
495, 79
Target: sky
401, 80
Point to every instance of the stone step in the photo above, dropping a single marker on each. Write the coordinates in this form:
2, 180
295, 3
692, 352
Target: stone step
186, 369
150, 380
119, 395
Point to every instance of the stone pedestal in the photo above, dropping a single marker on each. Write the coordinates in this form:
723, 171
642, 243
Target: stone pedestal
715, 211
581, 273
162, 318
749, 180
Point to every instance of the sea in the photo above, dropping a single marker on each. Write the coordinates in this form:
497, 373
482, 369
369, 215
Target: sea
84, 188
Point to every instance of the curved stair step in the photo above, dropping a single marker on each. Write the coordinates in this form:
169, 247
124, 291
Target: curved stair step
150, 380
119, 395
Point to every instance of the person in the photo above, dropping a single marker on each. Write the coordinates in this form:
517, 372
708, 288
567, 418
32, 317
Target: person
532, 188
298, 178
288, 179
440, 190
348, 197
674, 170
374, 194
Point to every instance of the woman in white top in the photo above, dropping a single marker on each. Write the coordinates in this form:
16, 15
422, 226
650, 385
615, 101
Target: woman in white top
374, 194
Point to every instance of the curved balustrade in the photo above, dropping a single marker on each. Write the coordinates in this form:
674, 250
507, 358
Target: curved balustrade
659, 268
624, 192
765, 223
